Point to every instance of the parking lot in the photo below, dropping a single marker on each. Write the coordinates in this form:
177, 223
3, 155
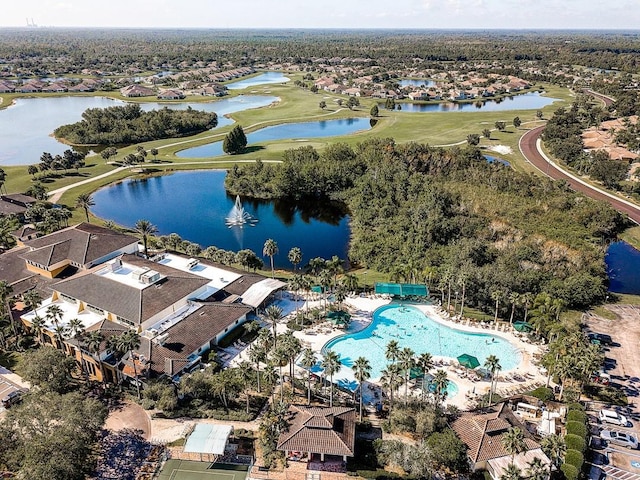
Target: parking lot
622, 363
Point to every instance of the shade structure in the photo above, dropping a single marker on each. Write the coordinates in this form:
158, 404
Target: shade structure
339, 317
402, 289
468, 361
523, 326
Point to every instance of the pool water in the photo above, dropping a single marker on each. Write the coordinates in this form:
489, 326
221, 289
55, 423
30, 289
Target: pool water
412, 328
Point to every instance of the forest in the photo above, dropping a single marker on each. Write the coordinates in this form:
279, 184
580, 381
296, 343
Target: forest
474, 225
44, 52
130, 124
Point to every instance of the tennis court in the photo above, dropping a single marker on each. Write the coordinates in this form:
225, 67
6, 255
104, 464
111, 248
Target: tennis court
189, 470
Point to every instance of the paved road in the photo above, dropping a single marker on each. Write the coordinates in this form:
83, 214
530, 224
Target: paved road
529, 146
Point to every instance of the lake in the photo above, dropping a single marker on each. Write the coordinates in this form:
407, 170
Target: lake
295, 131
266, 78
413, 82
26, 126
525, 101
623, 267
195, 204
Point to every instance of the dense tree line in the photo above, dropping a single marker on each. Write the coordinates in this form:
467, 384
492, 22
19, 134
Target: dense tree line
562, 137
130, 124
451, 216
45, 52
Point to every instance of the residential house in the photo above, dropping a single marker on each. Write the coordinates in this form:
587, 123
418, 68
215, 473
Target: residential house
7, 87
171, 94
137, 91
15, 204
483, 431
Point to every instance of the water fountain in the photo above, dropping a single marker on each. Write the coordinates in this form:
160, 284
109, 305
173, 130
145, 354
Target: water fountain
238, 217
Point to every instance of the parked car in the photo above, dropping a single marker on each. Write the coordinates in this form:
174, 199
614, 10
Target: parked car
619, 438
601, 377
613, 417
12, 398
600, 338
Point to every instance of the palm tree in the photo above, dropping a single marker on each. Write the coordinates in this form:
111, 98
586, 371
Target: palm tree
55, 314
512, 472
350, 282
257, 354
407, 362
325, 280
76, 329
536, 469
272, 314
391, 380
463, 276
270, 249
497, 295
331, 364
279, 356
307, 362
362, 372
440, 382
93, 341
38, 325
270, 376
245, 372
425, 362
514, 298
554, 447
295, 257
145, 228
492, 363
85, 201
32, 299
334, 265
127, 342
293, 347
5, 294
526, 299
295, 285
513, 442
392, 352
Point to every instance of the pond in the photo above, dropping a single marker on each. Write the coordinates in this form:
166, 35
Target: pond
296, 131
28, 124
492, 159
195, 204
415, 82
266, 78
525, 101
623, 265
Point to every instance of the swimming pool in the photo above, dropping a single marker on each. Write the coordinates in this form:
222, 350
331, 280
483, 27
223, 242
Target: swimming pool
412, 328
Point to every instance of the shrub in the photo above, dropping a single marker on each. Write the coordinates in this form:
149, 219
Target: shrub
576, 416
576, 406
577, 428
574, 442
543, 393
570, 472
575, 458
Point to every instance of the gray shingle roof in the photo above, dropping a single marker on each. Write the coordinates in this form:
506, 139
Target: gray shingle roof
83, 244
134, 304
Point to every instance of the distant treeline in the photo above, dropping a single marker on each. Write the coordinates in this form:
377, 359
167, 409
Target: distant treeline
130, 124
449, 215
63, 51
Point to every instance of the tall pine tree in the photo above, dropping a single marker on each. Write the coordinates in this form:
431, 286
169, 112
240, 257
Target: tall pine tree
235, 141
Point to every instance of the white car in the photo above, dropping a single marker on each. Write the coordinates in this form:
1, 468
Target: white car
613, 417
619, 438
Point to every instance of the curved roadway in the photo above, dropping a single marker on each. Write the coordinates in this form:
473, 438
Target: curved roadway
530, 148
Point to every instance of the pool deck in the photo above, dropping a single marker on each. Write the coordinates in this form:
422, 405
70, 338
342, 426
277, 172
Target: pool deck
525, 377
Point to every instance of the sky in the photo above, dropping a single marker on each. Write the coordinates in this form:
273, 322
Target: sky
427, 14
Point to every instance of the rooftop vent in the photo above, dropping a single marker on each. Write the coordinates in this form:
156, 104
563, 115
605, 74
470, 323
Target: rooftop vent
115, 265
192, 263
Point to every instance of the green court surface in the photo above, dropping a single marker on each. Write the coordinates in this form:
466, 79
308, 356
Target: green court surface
189, 470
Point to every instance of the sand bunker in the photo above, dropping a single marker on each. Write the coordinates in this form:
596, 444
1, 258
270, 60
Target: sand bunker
502, 149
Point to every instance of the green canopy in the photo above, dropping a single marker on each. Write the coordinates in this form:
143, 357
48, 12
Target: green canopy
316, 289
468, 361
523, 326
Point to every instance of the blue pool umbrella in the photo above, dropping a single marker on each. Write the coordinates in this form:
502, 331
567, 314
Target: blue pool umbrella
468, 361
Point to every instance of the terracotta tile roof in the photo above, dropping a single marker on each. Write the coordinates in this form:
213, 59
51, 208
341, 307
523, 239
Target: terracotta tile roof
482, 432
320, 430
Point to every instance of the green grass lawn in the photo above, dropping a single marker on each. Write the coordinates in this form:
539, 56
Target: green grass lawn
188, 470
